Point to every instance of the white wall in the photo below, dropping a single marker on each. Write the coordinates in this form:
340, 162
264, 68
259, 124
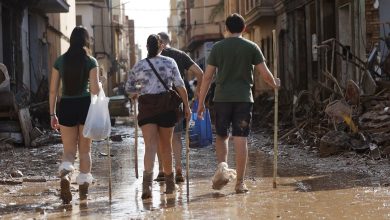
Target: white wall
67, 23
117, 10
86, 11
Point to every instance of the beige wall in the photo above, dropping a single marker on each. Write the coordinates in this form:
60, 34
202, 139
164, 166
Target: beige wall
67, 23
258, 31
95, 19
257, 34
200, 19
231, 6
177, 32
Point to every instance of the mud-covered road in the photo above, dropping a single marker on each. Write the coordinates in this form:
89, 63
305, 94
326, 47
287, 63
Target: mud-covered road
346, 186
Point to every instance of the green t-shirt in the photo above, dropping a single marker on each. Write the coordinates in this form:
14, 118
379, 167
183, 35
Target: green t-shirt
90, 64
234, 58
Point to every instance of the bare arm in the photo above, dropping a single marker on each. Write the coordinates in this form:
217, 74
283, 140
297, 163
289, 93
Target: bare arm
94, 81
267, 75
53, 92
204, 88
198, 72
183, 94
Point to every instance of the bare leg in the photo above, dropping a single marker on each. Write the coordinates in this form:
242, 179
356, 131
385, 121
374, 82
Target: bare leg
84, 145
165, 135
150, 133
241, 148
221, 145
177, 149
166, 144
159, 157
69, 136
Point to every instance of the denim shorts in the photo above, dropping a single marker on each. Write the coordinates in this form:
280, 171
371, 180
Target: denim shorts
73, 111
238, 115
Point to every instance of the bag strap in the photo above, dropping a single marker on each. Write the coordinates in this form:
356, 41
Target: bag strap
158, 76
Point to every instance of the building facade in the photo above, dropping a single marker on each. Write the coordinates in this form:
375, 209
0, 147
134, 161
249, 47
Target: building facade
30, 39
204, 26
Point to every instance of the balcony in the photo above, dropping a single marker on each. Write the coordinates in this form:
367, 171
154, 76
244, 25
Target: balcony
254, 9
52, 6
204, 32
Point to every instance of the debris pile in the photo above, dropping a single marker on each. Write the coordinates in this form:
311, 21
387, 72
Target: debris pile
361, 125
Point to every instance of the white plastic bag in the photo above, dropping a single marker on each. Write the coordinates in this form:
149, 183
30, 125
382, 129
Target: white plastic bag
223, 176
98, 125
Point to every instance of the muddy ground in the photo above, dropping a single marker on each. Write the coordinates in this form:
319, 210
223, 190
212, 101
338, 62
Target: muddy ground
36, 192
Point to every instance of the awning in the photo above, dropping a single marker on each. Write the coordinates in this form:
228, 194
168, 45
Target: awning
53, 6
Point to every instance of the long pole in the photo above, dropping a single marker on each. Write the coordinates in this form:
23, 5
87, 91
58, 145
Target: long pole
188, 158
136, 138
109, 170
275, 70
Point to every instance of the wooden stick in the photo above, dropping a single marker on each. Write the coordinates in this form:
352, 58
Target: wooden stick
135, 138
109, 170
188, 158
275, 70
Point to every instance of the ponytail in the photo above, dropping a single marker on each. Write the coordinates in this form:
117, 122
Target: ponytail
152, 45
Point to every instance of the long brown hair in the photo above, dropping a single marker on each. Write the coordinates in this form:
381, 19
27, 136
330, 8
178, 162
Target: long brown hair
75, 59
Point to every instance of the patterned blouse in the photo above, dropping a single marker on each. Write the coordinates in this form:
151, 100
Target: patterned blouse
143, 80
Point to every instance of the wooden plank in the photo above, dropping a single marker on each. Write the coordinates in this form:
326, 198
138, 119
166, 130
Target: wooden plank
25, 124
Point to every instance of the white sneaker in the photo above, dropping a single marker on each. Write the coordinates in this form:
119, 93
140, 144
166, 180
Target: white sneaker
223, 176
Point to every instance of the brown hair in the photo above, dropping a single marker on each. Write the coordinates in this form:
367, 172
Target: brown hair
75, 74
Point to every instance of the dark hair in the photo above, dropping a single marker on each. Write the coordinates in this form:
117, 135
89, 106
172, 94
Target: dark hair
152, 45
164, 37
235, 23
75, 74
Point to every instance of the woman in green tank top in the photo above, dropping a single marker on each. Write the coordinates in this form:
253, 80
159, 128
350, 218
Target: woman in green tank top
78, 73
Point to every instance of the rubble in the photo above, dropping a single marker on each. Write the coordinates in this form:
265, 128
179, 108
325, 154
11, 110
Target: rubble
16, 173
372, 120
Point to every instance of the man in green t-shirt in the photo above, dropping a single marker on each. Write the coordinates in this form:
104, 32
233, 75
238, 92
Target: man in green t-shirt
234, 57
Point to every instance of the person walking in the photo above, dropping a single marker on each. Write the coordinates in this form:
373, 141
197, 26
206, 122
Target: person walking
78, 72
184, 62
157, 127
234, 57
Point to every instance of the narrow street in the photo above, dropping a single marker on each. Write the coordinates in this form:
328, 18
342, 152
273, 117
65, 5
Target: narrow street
332, 103
339, 187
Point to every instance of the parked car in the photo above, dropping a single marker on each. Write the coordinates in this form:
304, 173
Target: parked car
119, 106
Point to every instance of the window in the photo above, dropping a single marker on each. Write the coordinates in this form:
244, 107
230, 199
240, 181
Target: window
115, 18
251, 4
79, 20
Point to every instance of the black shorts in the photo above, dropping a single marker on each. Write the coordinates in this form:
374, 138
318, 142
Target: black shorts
73, 111
236, 114
165, 120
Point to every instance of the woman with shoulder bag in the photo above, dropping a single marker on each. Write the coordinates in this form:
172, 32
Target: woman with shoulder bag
78, 72
150, 81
